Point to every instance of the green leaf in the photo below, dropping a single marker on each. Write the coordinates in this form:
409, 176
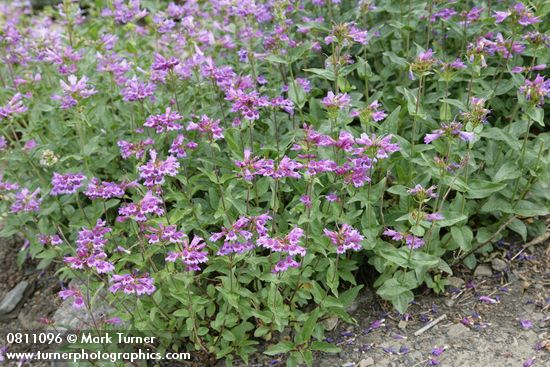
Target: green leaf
326, 74
279, 348
479, 189
529, 209
309, 326
463, 237
396, 59
324, 347
507, 171
451, 218
500, 135
519, 227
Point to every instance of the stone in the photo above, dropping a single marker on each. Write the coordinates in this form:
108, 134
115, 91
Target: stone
498, 264
457, 331
69, 318
402, 324
482, 271
456, 282
365, 362
13, 298
330, 323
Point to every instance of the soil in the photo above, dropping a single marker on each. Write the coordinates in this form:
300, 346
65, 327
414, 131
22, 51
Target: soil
39, 303
473, 333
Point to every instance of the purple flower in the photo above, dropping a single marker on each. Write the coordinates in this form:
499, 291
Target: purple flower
192, 253
161, 63
529, 362
338, 101
285, 264
380, 147
500, 16
208, 126
14, 106
347, 238
394, 235
104, 190
75, 294
535, 90
453, 129
134, 90
526, 324
90, 249
377, 324
150, 204
306, 200
137, 150
178, 147
154, 171
164, 122
25, 201
434, 217
288, 244
422, 193
437, 351
52, 240
74, 90
132, 284
414, 242
247, 104
286, 168
66, 184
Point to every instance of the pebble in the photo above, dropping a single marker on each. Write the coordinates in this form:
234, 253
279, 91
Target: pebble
456, 282
482, 271
12, 299
498, 264
330, 323
457, 331
365, 362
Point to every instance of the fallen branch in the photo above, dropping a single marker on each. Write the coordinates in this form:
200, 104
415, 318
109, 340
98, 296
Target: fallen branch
533, 242
430, 325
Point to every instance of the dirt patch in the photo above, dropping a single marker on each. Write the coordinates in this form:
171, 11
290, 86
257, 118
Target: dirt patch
37, 306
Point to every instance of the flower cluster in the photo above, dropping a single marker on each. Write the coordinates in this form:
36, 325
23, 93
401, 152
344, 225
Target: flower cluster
154, 171
90, 250
150, 204
73, 91
346, 238
453, 129
132, 284
288, 245
191, 254
68, 183
164, 122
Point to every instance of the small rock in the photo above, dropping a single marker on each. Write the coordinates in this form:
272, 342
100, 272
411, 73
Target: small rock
457, 331
416, 355
330, 323
482, 271
365, 362
402, 324
12, 299
456, 282
498, 264
449, 302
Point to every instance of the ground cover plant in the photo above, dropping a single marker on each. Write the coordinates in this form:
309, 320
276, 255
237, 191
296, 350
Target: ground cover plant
223, 171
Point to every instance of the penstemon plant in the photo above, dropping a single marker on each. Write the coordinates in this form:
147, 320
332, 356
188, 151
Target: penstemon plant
224, 172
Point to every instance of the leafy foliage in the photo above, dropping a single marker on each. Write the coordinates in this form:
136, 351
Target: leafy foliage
225, 170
